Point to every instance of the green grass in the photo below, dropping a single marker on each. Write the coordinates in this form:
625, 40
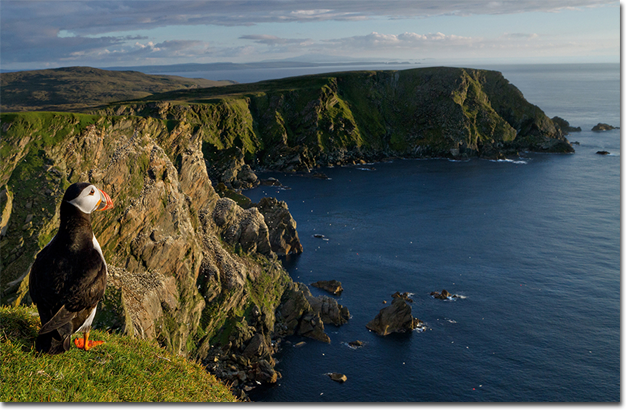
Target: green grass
123, 369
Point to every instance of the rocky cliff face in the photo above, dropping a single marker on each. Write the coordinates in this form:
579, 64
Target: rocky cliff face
186, 266
322, 120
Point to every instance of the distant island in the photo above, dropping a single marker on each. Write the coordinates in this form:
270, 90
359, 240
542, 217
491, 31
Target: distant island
194, 264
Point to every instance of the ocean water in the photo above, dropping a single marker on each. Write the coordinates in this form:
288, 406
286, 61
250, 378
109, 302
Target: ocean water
531, 245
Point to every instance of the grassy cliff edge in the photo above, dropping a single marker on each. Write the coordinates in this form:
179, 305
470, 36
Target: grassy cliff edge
124, 369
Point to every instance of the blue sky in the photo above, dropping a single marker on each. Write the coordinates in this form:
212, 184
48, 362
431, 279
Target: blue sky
46, 34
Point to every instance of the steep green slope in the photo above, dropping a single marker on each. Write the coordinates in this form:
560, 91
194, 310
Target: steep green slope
76, 88
124, 369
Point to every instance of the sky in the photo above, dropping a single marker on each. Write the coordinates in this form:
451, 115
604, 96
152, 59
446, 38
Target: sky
49, 34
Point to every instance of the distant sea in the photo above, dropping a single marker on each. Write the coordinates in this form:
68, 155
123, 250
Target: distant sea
532, 246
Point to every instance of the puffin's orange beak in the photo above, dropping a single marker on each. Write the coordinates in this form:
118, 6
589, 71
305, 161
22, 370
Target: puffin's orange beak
105, 203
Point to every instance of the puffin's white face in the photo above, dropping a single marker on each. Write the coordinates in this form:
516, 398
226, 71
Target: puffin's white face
91, 199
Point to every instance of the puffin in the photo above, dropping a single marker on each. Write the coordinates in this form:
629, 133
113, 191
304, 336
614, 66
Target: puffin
69, 275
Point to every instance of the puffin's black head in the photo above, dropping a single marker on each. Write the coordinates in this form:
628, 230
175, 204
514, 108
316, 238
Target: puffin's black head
87, 198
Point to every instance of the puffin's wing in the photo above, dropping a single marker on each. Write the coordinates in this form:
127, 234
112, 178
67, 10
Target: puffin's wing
61, 318
84, 290
88, 287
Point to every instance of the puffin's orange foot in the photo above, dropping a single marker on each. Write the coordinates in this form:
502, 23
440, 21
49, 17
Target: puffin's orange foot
80, 343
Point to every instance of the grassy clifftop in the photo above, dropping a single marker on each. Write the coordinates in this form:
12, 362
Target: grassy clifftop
75, 88
124, 369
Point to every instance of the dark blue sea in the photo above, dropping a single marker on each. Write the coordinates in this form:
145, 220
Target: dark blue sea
531, 245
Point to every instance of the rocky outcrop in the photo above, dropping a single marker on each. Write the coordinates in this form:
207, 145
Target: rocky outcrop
300, 313
329, 310
443, 295
296, 316
245, 229
330, 286
283, 235
564, 125
603, 127
396, 318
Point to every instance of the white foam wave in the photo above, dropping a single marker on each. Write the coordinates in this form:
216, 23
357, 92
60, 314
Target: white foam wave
421, 328
520, 161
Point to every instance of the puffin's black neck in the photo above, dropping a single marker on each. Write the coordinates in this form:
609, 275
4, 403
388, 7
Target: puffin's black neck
75, 225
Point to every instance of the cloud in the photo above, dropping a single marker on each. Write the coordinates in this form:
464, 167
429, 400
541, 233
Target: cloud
97, 17
274, 40
528, 36
377, 41
60, 31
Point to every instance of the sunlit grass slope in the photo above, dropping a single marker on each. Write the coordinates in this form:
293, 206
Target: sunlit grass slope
123, 369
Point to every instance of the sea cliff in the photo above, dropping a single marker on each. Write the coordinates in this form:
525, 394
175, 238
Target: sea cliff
298, 124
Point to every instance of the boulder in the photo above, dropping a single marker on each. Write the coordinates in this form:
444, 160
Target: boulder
396, 318
330, 286
337, 377
356, 344
602, 152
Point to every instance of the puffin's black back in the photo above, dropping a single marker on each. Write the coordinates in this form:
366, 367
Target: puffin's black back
68, 277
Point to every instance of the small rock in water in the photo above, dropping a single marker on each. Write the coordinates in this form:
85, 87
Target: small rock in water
443, 295
331, 286
356, 344
338, 377
603, 152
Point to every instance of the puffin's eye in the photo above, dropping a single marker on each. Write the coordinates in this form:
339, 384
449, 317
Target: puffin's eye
92, 192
